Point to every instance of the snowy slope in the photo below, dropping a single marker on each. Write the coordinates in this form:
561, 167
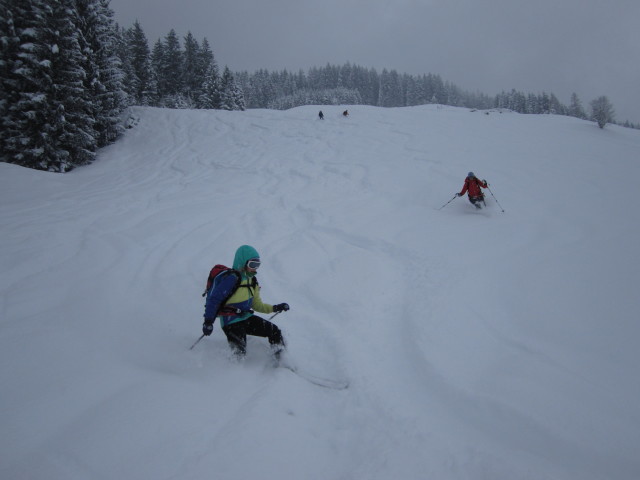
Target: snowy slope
476, 344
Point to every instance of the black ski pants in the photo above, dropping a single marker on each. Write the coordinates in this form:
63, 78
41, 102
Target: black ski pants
478, 199
257, 326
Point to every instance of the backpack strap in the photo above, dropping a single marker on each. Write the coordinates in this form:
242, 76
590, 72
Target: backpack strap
253, 285
224, 310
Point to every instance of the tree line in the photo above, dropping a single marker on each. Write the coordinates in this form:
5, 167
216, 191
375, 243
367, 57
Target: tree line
176, 74
353, 84
61, 82
68, 71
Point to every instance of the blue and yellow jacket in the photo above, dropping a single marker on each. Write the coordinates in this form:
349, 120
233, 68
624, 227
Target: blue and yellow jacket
244, 300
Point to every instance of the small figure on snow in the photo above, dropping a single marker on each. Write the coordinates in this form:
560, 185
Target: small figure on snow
472, 185
236, 313
345, 113
321, 115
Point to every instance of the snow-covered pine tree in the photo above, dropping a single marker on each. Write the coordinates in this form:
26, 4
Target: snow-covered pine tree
158, 66
532, 103
193, 76
301, 80
602, 111
71, 135
8, 45
104, 77
173, 65
210, 98
262, 89
123, 37
61, 82
555, 106
23, 82
575, 107
207, 72
410, 90
144, 91
167, 61
345, 76
227, 87
242, 79
431, 88
205, 59
238, 97
390, 93
369, 86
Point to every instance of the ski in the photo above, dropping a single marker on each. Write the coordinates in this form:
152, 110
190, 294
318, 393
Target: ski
315, 380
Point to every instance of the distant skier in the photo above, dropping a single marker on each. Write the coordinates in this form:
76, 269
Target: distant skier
236, 313
345, 113
472, 185
321, 115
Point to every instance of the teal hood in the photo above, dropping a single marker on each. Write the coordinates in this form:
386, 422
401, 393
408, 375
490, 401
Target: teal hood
243, 255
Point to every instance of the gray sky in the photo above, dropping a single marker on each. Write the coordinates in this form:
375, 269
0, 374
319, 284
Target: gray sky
591, 47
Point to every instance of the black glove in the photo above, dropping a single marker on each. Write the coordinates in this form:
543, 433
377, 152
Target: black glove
207, 326
486, 184
457, 194
281, 307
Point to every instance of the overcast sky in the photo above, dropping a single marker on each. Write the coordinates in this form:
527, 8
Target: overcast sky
591, 47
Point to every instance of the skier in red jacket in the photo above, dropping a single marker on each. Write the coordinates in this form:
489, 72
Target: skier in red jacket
472, 185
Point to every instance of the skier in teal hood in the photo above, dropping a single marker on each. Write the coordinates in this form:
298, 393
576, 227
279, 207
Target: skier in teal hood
234, 296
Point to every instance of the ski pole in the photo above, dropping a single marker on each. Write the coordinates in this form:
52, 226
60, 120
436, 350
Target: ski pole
274, 315
201, 337
454, 197
494, 197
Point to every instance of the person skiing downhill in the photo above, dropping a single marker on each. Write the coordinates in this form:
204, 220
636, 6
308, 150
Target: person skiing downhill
472, 185
236, 314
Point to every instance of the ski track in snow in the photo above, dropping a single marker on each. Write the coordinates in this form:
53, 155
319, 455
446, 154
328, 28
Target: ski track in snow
476, 344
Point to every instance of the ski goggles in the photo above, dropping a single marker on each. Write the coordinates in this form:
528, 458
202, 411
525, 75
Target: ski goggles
253, 264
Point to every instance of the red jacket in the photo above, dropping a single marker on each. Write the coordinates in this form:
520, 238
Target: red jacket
472, 184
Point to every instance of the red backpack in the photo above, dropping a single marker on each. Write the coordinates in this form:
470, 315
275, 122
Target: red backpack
215, 271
